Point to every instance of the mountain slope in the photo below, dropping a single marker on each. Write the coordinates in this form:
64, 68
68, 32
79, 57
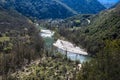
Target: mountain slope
104, 26
11, 19
84, 6
63, 4
105, 64
18, 41
39, 8
42, 9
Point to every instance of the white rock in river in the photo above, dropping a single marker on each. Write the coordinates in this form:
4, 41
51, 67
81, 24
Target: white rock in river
69, 47
46, 33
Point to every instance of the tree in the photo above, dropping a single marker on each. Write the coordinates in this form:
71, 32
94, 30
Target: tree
105, 66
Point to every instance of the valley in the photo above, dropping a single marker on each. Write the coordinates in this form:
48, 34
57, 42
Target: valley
47, 63
64, 47
59, 40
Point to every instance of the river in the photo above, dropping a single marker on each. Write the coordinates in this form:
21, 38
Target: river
82, 56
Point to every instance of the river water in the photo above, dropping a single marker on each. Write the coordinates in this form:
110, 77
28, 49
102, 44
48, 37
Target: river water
49, 40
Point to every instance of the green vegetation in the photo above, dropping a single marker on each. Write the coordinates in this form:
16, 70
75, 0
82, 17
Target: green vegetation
21, 46
102, 40
2, 39
85, 6
38, 9
105, 66
48, 68
19, 42
104, 26
23, 54
77, 21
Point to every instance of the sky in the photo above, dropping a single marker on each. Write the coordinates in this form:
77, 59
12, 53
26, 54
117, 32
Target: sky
110, 1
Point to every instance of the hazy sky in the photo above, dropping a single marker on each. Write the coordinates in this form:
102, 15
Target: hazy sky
109, 1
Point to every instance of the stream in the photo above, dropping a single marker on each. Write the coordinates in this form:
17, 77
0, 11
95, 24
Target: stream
49, 42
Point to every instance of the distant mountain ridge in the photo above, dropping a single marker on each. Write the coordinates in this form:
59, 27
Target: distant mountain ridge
85, 6
42, 9
38, 8
63, 4
109, 3
104, 26
117, 4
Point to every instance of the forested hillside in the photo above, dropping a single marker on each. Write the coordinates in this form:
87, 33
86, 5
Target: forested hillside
19, 42
25, 55
38, 9
102, 40
85, 6
103, 26
106, 64
46, 9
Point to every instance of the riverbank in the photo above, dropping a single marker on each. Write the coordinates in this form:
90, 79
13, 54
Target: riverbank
52, 66
73, 52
